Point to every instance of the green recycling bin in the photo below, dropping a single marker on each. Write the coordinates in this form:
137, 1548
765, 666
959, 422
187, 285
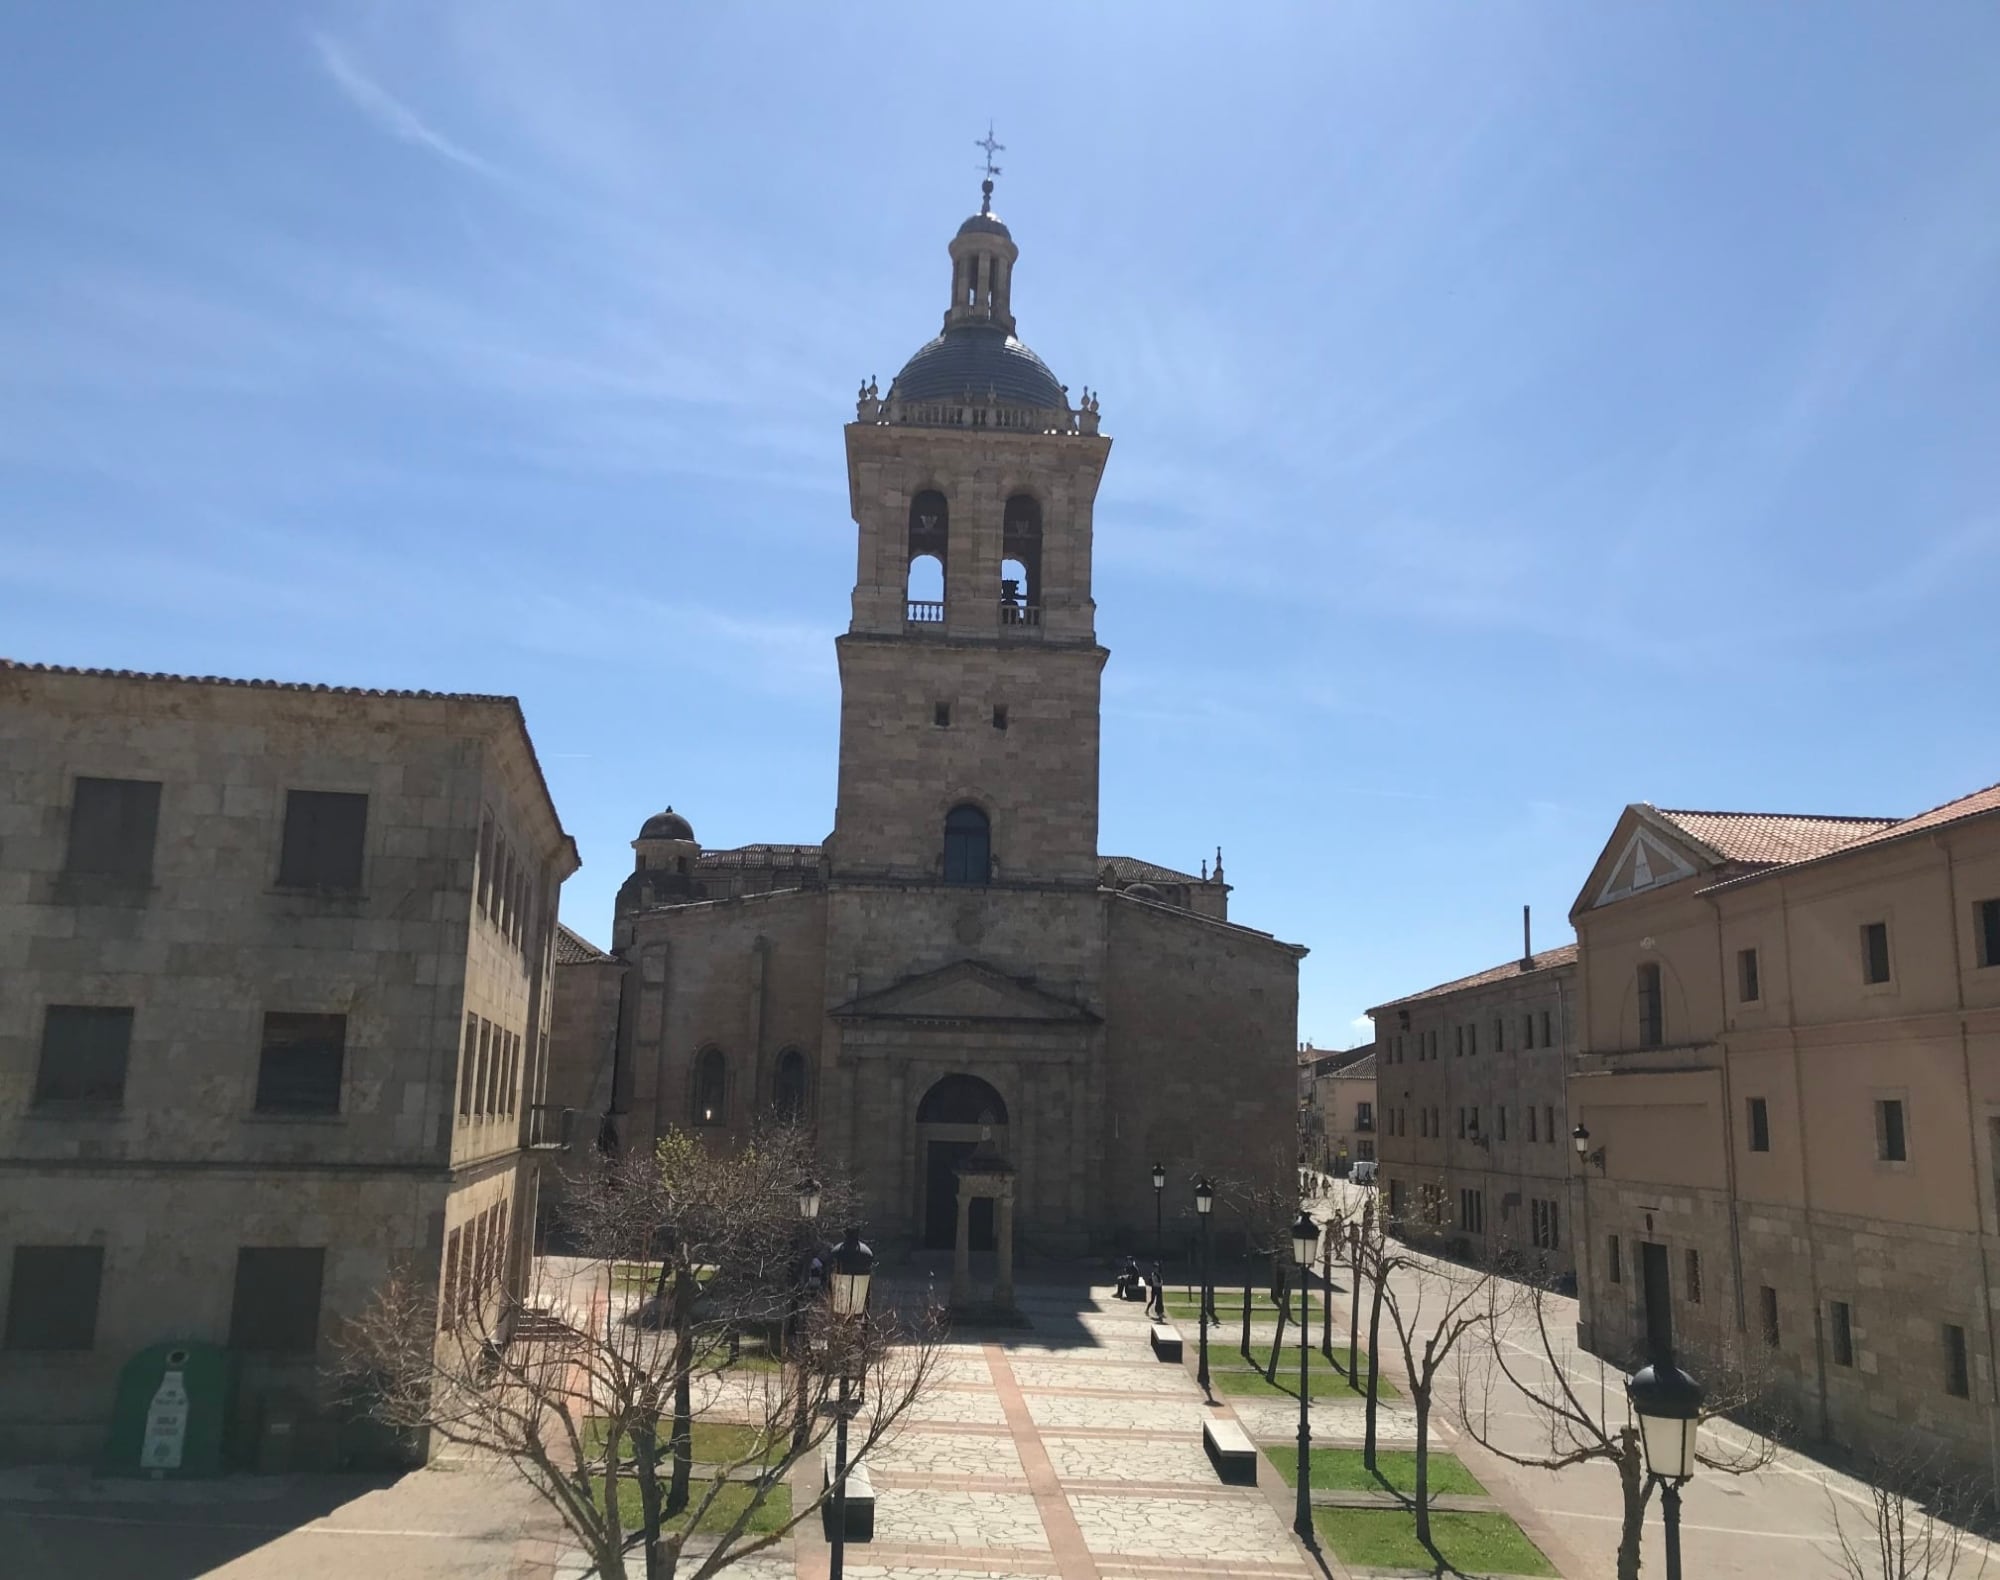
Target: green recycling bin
172, 1409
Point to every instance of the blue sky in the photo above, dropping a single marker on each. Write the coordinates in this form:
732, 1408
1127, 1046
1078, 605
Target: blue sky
1519, 410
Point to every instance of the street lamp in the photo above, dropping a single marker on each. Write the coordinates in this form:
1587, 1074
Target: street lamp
1204, 1204
1305, 1242
808, 1194
1667, 1402
1580, 1139
853, 1267
1159, 1185
809, 1191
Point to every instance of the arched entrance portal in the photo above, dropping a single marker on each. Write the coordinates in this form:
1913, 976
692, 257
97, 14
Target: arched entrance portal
953, 1117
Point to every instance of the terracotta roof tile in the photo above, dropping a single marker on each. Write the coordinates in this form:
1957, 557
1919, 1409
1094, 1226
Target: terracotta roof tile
573, 949
1770, 838
1547, 959
1130, 869
1978, 804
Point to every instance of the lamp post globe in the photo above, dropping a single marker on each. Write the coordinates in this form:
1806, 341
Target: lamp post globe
1204, 1197
1580, 1139
1159, 1176
1305, 1240
809, 1194
853, 1267
1667, 1402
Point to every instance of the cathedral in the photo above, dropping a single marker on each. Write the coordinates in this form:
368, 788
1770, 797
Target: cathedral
998, 1028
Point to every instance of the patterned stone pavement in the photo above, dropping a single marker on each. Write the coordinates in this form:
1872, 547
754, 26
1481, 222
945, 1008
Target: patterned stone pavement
1066, 1452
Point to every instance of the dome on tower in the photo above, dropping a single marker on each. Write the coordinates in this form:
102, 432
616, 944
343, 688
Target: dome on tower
985, 225
667, 825
978, 359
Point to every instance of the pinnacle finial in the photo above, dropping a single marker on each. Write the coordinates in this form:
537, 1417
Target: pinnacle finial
986, 187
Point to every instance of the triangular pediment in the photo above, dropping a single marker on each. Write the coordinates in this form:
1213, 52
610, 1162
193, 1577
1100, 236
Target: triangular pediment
963, 991
1647, 860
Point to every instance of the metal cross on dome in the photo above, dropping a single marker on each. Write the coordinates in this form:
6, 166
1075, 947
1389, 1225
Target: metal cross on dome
992, 147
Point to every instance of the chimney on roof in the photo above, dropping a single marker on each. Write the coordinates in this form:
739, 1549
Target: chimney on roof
1527, 943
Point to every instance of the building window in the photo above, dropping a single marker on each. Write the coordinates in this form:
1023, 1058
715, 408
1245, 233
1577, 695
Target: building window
1471, 1040
1767, 1299
1890, 1141
1842, 1324
1431, 1042
999, 715
52, 1297
1395, 1200
323, 839
941, 714
1760, 1124
1957, 1373
711, 1088
1364, 1150
1614, 1265
1472, 1211
298, 1068
1875, 952
1500, 1119
448, 1302
788, 1092
1528, 1030
1747, 987
84, 1053
1458, 1047
1549, 1122
1437, 1122
1547, 1040
1986, 927
968, 855
1461, 1124
112, 827
276, 1305
1652, 1028
1542, 1215
1693, 1280
1499, 1035
1364, 1116
1529, 1109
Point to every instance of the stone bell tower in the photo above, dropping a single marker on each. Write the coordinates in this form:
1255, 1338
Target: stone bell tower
970, 673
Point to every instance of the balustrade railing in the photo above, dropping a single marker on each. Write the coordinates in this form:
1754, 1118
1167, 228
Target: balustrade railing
926, 611
1020, 613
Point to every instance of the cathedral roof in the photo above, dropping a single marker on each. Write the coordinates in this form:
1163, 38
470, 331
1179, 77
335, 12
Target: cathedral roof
667, 825
978, 360
1130, 869
573, 949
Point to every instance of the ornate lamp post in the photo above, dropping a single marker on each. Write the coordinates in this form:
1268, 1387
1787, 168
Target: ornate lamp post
1159, 1185
1305, 1243
1667, 1402
1204, 1204
809, 1194
853, 1265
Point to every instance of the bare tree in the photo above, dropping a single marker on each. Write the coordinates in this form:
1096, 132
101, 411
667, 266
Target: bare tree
694, 1266
1584, 1423
1919, 1508
1433, 1307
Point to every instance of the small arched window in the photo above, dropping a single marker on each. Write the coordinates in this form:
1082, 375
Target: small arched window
711, 1088
968, 846
1021, 559
788, 1088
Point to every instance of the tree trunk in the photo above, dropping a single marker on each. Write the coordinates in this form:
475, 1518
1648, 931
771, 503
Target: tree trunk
1374, 1349
1632, 1483
1249, 1293
1278, 1343
1326, 1299
685, 1290
1420, 1399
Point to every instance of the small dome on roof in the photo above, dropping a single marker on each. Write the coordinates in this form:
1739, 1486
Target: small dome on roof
985, 224
975, 360
667, 825
1146, 891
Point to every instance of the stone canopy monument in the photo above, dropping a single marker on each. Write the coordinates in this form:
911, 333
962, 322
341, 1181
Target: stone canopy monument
996, 1026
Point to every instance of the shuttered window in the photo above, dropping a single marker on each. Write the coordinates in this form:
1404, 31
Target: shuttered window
299, 1068
276, 1307
112, 827
52, 1297
324, 830
84, 1052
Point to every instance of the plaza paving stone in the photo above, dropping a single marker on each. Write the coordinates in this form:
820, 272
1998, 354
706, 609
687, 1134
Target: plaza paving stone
1163, 1416
949, 1454
1243, 1527
1160, 1461
960, 1519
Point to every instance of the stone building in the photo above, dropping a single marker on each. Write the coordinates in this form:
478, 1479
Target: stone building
1789, 1076
1474, 1129
957, 962
1340, 1109
583, 1059
276, 960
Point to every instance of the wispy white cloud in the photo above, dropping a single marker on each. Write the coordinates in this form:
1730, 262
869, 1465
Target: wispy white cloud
390, 113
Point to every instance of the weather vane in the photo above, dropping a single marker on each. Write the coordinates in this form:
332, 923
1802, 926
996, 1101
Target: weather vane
992, 147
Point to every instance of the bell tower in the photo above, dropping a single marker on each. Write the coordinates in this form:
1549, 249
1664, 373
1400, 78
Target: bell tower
970, 673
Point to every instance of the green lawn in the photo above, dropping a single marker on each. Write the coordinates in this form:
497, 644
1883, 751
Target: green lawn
715, 1442
1341, 1470
769, 1515
1473, 1544
1326, 1384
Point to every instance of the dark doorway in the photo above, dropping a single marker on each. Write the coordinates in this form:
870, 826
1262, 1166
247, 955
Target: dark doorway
1659, 1298
941, 1199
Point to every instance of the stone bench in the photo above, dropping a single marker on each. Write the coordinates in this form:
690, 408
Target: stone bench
1230, 1451
1166, 1342
860, 1501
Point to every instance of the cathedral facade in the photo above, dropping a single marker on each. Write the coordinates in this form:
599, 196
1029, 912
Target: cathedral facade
958, 969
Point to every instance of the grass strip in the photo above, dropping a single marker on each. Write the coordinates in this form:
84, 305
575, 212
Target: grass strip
1472, 1544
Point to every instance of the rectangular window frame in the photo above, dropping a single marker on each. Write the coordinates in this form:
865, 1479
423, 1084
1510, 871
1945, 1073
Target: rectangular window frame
1652, 1011
1749, 985
1691, 1282
324, 847
1757, 1124
114, 830
267, 1310
1986, 933
1957, 1361
53, 1296
85, 1058
1892, 1129
1878, 965
1768, 1319
301, 1064
1840, 1332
